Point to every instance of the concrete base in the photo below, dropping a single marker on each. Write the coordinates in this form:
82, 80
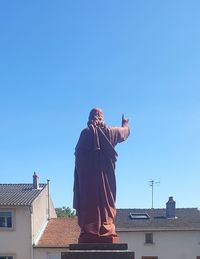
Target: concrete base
98, 251
118, 246
100, 239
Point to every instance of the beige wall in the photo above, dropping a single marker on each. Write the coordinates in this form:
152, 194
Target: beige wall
40, 214
18, 240
167, 244
48, 253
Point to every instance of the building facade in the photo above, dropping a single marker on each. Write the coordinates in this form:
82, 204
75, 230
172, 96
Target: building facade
161, 233
24, 213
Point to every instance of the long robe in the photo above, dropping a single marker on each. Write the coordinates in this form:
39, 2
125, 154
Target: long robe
94, 180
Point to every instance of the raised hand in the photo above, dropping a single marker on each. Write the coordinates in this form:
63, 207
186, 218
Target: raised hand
124, 121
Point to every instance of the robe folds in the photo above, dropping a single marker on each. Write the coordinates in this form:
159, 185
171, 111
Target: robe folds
94, 180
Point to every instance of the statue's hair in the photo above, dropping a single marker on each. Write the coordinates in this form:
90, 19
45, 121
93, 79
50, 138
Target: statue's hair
96, 118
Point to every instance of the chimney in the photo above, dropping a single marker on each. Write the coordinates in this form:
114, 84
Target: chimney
35, 181
170, 208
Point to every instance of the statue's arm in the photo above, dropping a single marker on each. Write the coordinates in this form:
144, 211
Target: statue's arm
119, 134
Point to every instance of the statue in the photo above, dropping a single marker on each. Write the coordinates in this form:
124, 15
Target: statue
94, 178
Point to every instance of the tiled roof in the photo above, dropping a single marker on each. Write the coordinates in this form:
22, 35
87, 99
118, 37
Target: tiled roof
186, 218
60, 232
18, 194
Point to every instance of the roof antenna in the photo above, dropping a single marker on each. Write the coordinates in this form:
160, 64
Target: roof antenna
151, 184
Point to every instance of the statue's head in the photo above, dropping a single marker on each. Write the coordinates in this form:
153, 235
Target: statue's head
96, 118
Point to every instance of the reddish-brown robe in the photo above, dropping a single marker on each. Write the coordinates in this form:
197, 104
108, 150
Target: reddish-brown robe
94, 181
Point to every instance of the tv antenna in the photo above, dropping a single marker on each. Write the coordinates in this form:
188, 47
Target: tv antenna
151, 184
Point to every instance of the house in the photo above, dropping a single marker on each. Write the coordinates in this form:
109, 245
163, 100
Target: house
59, 233
25, 210
161, 233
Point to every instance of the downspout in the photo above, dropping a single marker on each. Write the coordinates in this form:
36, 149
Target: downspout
32, 236
48, 200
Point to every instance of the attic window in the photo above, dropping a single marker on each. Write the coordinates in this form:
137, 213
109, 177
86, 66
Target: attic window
137, 216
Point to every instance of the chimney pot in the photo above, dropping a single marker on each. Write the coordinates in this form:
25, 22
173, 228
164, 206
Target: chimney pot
35, 181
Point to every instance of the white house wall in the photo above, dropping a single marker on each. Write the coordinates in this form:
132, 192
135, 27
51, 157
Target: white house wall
52, 209
40, 214
48, 253
18, 240
167, 244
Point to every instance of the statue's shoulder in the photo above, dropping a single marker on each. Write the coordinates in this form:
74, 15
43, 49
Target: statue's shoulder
85, 132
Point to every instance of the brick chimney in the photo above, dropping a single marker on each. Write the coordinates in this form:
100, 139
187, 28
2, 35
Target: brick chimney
171, 208
35, 181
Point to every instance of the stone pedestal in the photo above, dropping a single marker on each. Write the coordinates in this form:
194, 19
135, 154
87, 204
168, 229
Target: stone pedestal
98, 251
101, 239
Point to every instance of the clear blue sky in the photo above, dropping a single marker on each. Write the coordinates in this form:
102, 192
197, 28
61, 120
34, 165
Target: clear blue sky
59, 59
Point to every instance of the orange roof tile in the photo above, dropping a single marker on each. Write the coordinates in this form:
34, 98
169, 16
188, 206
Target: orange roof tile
60, 232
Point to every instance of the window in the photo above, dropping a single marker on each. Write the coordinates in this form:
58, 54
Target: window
5, 222
6, 257
148, 238
139, 216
